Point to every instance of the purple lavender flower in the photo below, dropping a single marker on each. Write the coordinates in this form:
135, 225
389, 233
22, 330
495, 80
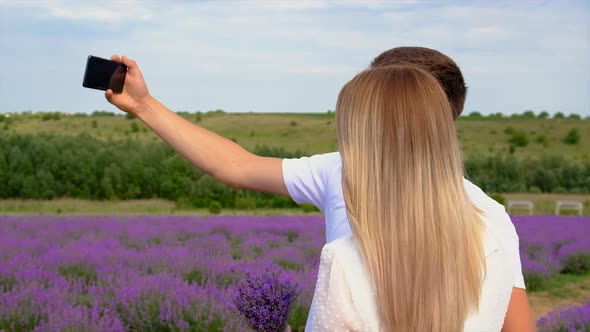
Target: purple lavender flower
572, 319
171, 272
265, 300
575, 257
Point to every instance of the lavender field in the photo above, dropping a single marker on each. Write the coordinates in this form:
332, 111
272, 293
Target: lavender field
64, 273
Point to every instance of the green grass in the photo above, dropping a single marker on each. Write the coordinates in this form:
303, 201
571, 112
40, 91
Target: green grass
564, 285
148, 206
315, 133
544, 205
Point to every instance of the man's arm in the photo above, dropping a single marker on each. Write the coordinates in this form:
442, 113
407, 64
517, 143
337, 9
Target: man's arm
221, 158
518, 317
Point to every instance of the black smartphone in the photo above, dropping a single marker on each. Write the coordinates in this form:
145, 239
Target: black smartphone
103, 74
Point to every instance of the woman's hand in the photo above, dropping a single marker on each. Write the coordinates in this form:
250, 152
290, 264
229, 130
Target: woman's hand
135, 93
288, 329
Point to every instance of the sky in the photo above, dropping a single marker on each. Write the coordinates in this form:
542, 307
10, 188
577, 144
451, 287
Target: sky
291, 56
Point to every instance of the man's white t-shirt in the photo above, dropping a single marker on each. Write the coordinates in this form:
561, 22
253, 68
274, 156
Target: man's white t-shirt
317, 180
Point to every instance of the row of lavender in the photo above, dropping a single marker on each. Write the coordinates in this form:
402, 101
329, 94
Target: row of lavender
145, 273
173, 273
550, 245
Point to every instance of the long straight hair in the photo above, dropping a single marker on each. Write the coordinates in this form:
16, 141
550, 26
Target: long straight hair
420, 237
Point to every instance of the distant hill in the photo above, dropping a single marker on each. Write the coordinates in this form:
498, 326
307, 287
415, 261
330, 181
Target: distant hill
315, 133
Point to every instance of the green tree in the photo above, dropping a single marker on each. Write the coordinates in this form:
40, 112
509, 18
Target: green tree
574, 116
3, 168
572, 137
111, 182
528, 114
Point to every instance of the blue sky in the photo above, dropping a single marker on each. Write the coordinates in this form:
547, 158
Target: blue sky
291, 56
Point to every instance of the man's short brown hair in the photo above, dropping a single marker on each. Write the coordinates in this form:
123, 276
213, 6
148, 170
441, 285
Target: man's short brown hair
443, 68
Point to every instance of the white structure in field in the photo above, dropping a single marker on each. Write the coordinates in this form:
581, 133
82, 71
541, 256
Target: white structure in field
569, 205
521, 205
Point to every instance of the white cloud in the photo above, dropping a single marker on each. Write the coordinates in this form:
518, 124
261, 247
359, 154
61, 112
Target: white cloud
105, 11
322, 40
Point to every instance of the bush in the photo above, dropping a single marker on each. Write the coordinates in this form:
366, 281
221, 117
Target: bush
214, 207
511, 149
576, 264
572, 137
535, 273
542, 139
519, 139
534, 190
575, 258
84, 167
102, 113
50, 116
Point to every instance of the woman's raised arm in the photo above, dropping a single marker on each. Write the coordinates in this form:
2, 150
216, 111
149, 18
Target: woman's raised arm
219, 157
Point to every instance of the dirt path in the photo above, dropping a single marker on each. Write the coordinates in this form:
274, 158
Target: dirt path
572, 294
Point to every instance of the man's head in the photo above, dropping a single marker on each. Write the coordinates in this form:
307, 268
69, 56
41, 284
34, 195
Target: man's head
443, 68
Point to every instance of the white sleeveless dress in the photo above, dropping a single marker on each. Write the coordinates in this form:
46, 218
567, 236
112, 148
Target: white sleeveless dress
344, 299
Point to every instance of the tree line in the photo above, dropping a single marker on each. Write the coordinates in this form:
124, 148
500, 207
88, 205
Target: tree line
47, 166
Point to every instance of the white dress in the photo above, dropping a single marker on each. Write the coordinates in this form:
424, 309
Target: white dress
317, 180
344, 299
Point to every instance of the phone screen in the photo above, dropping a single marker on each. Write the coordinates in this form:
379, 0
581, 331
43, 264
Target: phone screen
103, 74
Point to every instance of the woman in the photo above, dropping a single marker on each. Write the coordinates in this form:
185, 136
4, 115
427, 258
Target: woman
420, 258
421, 228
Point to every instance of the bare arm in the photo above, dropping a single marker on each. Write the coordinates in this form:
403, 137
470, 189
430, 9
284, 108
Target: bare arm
221, 158
518, 317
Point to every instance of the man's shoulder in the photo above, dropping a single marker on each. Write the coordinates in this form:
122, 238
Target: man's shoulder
481, 199
327, 164
492, 213
328, 157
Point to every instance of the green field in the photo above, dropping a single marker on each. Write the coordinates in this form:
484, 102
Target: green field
544, 205
146, 206
315, 133
521, 157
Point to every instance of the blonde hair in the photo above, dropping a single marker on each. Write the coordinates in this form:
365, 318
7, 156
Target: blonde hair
420, 237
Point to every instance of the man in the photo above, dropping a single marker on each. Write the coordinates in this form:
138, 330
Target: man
229, 163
